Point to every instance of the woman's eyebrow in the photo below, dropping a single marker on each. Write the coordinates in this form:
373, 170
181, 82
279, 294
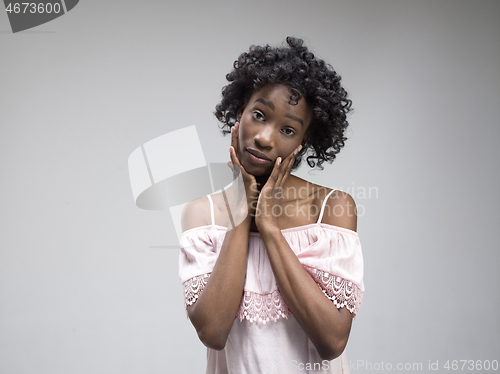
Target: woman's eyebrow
291, 116
265, 102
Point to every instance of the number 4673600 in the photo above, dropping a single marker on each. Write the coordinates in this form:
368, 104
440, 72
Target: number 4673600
33, 8
471, 365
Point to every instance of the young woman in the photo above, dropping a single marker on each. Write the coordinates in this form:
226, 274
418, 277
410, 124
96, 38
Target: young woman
287, 263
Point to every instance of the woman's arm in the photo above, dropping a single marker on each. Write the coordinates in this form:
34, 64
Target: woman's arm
214, 312
326, 326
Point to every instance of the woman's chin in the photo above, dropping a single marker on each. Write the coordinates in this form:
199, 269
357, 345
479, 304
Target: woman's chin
258, 171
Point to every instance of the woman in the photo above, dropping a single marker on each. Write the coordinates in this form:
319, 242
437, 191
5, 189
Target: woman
290, 268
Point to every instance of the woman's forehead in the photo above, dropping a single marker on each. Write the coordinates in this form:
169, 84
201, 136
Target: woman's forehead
276, 91
282, 95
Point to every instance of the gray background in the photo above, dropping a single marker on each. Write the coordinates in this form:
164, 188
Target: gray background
85, 286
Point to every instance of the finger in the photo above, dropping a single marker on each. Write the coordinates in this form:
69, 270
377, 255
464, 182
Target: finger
295, 152
282, 172
234, 159
234, 140
237, 167
275, 173
234, 135
292, 160
287, 166
286, 172
239, 173
291, 156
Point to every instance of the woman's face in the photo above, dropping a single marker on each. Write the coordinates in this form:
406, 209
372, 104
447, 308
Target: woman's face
270, 127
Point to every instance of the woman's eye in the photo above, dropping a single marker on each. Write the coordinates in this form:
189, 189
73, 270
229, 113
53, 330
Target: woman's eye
258, 115
289, 131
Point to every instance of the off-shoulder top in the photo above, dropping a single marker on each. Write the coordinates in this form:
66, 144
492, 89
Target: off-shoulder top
265, 338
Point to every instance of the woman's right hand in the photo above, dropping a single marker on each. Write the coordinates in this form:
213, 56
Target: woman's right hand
249, 183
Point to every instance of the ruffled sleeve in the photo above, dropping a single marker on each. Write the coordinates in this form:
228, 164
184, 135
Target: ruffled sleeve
332, 256
197, 257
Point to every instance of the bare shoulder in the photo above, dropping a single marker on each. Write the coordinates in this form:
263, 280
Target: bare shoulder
340, 210
196, 213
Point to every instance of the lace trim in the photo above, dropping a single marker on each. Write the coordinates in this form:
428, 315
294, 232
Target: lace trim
262, 308
254, 307
193, 288
342, 292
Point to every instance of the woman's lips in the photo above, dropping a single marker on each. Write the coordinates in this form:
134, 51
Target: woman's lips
257, 157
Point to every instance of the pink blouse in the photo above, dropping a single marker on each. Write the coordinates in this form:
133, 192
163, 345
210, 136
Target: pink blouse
265, 337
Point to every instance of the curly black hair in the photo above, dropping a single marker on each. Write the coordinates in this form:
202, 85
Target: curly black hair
307, 76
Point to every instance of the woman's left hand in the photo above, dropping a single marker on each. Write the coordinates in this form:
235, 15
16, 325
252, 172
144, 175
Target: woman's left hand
269, 203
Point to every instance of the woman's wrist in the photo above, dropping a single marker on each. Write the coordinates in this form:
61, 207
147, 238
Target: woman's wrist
267, 226
268, 231
243, 224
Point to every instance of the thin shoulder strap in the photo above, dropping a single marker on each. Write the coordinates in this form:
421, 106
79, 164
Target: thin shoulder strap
323, 206
211, 209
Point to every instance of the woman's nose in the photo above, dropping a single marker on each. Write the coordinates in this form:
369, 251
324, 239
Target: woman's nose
265, 137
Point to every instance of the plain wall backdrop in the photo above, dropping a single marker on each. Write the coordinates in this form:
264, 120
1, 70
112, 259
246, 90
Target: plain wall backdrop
85, 285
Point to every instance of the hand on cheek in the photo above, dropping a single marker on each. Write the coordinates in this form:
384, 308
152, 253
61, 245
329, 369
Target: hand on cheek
269, 203
250, 184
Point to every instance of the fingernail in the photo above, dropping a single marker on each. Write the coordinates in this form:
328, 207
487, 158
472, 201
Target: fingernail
279, 160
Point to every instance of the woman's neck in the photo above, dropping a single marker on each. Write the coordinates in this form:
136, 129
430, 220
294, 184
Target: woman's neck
262, 180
